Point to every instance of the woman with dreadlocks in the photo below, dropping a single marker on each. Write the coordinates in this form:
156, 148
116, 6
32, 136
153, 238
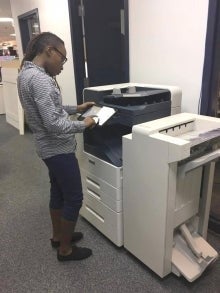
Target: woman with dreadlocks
54, 136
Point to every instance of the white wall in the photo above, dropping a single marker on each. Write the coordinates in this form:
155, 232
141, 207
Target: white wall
54, 17
167, 43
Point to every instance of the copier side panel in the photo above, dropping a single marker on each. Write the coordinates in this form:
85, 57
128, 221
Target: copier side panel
187, 196
145, 202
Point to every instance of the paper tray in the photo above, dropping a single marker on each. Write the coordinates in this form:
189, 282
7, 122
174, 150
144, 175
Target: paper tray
186, 263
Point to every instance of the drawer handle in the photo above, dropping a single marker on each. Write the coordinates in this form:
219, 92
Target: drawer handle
92, 182
91, 162
94, 194
95, 214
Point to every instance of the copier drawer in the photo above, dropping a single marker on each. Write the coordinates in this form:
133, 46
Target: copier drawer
104, 219
102, 169
102, 191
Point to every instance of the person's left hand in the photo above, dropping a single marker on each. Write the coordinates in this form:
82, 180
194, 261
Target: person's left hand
85, 106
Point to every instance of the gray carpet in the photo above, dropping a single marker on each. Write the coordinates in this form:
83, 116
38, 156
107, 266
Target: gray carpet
28, 263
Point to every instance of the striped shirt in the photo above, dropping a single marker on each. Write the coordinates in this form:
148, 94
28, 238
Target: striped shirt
53, 131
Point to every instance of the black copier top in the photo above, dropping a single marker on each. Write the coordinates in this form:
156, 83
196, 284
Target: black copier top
133, 106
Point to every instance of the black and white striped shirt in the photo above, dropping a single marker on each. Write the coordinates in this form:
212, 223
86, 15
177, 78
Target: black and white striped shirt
49, 121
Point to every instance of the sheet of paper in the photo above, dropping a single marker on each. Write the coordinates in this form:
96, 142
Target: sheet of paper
92, 111
104, 114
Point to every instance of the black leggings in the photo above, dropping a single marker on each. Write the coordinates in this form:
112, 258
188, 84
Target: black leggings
66, 187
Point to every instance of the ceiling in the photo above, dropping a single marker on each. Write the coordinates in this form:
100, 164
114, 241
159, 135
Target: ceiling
6, 28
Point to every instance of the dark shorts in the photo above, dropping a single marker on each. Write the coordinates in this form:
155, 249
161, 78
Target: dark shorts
66, 187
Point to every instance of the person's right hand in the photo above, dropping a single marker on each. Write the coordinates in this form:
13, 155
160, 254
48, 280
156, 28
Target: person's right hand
89, 121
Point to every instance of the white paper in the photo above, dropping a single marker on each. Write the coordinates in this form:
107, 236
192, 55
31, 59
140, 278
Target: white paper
104, 114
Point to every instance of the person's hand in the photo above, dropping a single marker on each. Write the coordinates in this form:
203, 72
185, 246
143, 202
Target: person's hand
90, 121
85, 106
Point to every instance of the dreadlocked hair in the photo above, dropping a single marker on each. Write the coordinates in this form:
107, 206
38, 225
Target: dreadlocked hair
37, 44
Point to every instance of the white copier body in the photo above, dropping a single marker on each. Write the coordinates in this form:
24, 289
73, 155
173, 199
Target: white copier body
102, 181
168, 167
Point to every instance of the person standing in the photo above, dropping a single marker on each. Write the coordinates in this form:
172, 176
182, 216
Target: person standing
54, 136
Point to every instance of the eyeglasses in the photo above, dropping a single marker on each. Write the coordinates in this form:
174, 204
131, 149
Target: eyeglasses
64, 59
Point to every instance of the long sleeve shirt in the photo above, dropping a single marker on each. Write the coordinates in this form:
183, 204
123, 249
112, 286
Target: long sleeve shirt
53, 130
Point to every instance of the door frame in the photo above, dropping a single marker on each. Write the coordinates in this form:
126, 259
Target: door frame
77, 46
24, 26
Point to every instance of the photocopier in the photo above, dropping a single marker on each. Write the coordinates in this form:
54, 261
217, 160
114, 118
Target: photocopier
101, 161
168, 168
